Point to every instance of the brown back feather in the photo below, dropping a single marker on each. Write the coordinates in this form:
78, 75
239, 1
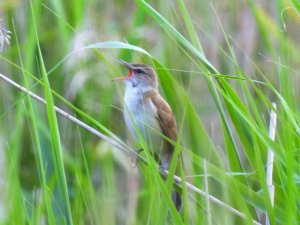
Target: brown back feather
165, 117
168, 124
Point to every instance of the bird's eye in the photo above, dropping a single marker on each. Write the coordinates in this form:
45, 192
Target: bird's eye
140, 71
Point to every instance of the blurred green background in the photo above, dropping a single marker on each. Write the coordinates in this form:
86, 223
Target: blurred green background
255, 39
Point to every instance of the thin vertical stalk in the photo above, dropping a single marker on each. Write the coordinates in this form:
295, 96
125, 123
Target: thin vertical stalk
270, 162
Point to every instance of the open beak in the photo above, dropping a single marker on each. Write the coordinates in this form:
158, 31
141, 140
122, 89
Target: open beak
128, 66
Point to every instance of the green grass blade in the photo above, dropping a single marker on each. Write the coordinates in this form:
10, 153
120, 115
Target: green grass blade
41, 167
60, 176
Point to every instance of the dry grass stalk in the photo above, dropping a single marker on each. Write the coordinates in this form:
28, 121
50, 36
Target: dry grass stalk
272, 131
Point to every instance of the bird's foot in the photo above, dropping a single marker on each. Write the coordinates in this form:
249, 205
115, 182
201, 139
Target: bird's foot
138, 151
163, 170
135, 160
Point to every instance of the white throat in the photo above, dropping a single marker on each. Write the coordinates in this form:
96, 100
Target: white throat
134, 87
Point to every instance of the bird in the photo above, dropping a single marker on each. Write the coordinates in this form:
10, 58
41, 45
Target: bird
146, 110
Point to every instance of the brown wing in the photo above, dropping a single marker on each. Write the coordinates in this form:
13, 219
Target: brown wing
165, 117
168, 124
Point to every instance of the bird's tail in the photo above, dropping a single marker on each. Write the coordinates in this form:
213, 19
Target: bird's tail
176, 197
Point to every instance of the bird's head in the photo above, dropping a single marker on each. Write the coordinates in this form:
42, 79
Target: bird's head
139, 75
